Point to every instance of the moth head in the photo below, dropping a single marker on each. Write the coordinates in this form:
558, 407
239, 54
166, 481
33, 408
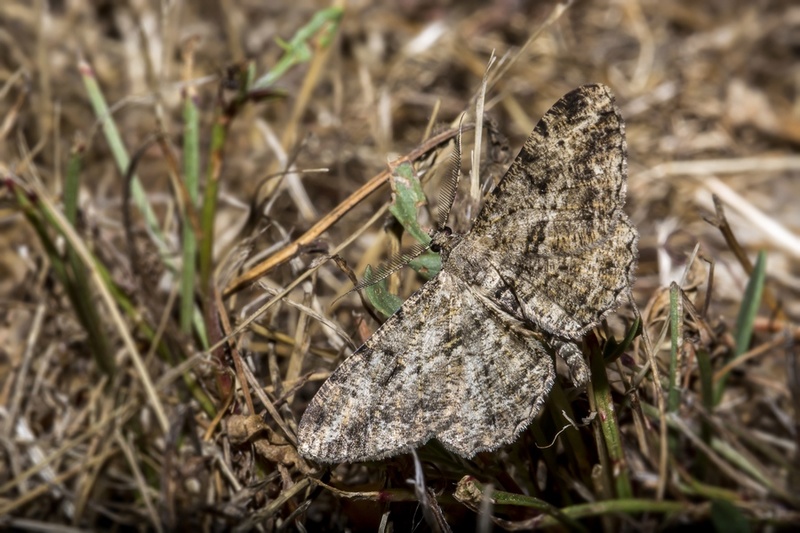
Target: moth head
443, 240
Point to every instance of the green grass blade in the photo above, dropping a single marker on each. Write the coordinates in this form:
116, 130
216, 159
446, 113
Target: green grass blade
614, 349
80, 289
71, 272
676, 342
470, 489
122, 158
224, 116
603, 402
750, 304
219, 134
191, 174
706, 372
747, 314
72, 182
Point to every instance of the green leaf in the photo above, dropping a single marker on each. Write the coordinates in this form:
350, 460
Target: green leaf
408, 197
427, 265
384, 302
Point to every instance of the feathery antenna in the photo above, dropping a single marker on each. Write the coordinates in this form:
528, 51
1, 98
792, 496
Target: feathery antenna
393, 265
447, 194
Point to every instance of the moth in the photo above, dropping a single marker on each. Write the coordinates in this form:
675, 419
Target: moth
466, 359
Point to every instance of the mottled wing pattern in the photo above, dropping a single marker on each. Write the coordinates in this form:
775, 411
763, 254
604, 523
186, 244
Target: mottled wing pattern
446, 365
553, 228
551, 250
571, 294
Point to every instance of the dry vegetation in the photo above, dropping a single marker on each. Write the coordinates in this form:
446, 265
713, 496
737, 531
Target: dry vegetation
113, 410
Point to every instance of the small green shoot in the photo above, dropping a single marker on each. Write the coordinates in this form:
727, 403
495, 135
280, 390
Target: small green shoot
319, 31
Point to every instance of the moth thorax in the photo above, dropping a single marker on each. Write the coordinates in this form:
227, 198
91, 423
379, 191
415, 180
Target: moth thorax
443, 240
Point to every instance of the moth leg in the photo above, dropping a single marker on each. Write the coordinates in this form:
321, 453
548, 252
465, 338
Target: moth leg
572, 355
